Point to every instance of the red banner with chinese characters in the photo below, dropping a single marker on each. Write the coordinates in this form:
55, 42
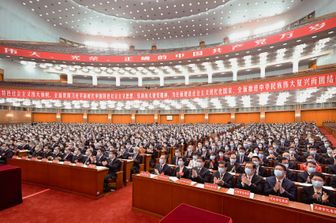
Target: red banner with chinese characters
319, 80
307, 30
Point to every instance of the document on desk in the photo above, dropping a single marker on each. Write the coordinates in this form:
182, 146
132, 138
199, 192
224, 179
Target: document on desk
231, 191
200, 185
174, 179
152, 175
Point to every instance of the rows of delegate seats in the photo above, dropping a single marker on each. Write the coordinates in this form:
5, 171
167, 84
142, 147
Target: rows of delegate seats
268, 144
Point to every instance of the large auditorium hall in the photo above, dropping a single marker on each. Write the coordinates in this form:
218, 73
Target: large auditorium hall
168, 111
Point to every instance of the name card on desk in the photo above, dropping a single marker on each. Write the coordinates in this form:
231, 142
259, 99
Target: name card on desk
55, 161
162, 177
144, 174
34, 158
24, 157
242, 193
184, 181
45, 160
277, 199
210, 186
324, 209
67, 162
79, 164
15, 157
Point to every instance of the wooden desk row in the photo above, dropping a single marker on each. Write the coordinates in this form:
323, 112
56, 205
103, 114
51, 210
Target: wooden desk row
69, 177
126, 167
160, 197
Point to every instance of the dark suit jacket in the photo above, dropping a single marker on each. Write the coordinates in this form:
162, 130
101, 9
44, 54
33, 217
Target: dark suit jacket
57, 155
302, 177
288, 186
77, 158
203, 175
136, 163
86, 160
244, 159
37, 153
262, 172
6, 154
328, 160
211, 164
292, 165
185, 170
257, 184
227, 180
166, 170
307, 197
236, 168
46, 154
291, 175
332, 169
333, 182
114, 166
99, 160
67, 157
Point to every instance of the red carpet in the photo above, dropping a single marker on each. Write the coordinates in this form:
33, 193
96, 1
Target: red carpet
187, 213
330, 137
57, 206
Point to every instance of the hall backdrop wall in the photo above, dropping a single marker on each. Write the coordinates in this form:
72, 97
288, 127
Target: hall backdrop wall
12, 116
318, 116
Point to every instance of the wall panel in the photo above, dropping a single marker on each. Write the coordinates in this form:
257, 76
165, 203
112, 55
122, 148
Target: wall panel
121, 118
13, 116
146, 119
72, 118
97, 118
318, 116
280, 117
44, 117
247, 117
194, 118
219, 118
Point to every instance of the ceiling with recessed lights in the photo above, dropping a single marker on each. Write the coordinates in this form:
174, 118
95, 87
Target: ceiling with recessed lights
157, 20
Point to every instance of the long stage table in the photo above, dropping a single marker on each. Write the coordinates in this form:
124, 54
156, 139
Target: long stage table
84, 180
160, 197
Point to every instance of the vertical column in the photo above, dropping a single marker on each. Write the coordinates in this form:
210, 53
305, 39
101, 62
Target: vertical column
109, 117
233, 117
133, 118
85, 118
70, 79
94, 80
156, 118
209, 78
181, 117
58, 116
262, 71
235, 75
162, 80
206, 117
262, 116
117, 81
295, 65
186, 79
140, 81
298, 113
